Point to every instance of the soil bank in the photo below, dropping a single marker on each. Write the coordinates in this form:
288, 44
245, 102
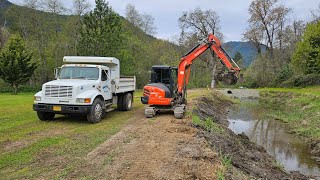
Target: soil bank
249, 161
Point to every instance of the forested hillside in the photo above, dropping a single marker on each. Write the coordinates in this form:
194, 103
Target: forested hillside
246, 49
50, 36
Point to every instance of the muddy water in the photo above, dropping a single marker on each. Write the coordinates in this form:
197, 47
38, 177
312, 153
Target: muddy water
290, 151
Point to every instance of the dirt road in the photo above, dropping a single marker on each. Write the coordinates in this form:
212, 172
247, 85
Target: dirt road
158, 148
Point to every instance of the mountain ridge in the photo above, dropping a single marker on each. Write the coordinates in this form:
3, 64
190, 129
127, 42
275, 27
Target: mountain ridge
246, 48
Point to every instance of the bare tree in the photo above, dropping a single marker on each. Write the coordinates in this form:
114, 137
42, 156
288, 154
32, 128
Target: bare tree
144, 21
201, 23
132, 15
54, 6
255, 35
33, 4
147, 24
81, 7
270, 16
316, 14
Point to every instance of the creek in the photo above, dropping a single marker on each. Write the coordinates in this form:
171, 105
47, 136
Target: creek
288, 149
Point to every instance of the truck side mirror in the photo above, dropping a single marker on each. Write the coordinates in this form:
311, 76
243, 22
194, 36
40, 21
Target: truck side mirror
57, 72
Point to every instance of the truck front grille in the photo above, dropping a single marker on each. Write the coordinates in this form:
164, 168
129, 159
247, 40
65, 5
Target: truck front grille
58, 91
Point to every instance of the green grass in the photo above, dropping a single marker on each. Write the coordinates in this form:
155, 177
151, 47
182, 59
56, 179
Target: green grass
207, 124
28, 146
300, 108
225, 161
312, 90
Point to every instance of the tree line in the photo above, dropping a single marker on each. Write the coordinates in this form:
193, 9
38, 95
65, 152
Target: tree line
47, 31
293, 55
49, 34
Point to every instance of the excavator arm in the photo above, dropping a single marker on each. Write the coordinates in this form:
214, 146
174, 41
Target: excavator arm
214, 44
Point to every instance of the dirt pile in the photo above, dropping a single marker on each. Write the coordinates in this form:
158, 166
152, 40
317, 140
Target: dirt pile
247, 157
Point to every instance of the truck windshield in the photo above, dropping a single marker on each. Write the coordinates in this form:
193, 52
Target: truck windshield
89, 73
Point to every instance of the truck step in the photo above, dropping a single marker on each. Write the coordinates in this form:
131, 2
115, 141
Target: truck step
110, 109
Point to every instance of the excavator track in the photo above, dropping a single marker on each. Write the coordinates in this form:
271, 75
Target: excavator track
150, 112
179, 111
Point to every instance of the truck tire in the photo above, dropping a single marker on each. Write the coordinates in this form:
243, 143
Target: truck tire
96, 112
127, 102
120, 102
45, 116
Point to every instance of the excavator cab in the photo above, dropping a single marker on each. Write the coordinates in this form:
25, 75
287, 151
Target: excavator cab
165, 75
161, 92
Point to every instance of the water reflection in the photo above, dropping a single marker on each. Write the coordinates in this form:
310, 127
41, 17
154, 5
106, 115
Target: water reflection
273, 136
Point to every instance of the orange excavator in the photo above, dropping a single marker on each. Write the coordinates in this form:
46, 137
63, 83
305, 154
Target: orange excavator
168, 86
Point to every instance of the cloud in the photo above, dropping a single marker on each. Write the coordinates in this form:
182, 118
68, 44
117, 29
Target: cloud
233, 13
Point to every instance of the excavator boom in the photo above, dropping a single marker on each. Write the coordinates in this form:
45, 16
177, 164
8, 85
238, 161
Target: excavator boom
213, 44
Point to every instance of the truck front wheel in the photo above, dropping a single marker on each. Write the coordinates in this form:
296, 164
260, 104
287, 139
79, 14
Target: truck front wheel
96, 112
44, 116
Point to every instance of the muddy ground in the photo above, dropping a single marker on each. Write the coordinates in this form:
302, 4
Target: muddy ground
249, 161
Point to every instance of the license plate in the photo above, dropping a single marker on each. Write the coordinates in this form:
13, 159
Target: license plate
56, 108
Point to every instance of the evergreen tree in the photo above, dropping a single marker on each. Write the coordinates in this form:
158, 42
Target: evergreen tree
100, 32
239, 59
16, 66
306, 58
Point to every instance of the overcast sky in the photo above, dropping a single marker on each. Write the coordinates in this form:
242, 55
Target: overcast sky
233, 13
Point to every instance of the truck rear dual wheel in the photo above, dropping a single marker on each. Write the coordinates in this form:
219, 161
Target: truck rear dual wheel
124, 102
96, 112
45, 116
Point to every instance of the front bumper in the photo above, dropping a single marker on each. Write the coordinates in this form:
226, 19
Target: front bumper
144, 100
65, 109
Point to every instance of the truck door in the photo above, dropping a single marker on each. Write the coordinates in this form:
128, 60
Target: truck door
106, 84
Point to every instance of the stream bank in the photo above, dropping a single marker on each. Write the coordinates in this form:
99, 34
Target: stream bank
249, 161
300, 112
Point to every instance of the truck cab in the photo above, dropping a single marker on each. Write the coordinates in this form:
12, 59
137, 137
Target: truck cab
87, 86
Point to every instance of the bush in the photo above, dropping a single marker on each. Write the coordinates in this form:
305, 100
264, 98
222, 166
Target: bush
6, 88
302, 81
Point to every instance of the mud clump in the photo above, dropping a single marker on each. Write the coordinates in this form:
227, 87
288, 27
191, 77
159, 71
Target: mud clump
247, 157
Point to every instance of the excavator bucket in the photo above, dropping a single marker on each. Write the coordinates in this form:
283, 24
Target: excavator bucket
228, 79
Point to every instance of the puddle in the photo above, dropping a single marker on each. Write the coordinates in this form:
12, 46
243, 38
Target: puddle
290, 151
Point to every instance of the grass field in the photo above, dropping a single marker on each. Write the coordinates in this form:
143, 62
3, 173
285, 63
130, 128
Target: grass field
312, 90
32, 148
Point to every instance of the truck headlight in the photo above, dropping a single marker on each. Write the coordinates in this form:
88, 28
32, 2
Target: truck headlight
37, 98
83, 100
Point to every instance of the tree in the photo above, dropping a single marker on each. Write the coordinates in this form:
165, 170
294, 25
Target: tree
306, 58
200, 23
269, 17
4, 35
238, 59
16, 66
255, 35
144, 21
80, 7
100, 32
316, 14
132, 15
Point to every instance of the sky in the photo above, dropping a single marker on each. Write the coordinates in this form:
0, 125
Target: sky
233, 13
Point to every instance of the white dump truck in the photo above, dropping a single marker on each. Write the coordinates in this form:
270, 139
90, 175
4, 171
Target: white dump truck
87, 86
